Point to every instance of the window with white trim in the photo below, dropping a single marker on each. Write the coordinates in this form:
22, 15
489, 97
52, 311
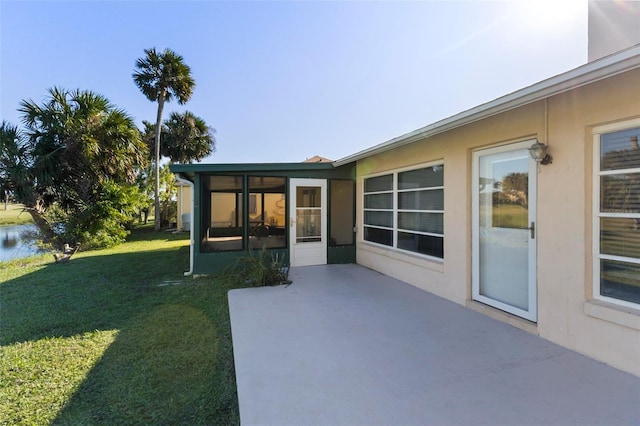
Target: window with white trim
405, 210
617, 215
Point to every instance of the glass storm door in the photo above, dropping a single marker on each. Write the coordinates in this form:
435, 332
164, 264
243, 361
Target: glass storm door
308, 222
504, 229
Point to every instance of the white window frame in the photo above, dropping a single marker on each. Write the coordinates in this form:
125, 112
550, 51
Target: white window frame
597, 214
395, 210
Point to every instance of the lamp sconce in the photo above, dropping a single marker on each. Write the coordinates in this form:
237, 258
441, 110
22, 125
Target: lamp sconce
538, 152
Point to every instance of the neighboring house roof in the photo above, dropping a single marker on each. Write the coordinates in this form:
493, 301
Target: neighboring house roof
608, 66
317, 159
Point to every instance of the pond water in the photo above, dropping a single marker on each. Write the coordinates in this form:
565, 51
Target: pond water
18, 241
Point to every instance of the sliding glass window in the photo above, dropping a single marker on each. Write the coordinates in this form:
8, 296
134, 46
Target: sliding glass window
267, 212
405, 210
617, 215
224, 226
378, 210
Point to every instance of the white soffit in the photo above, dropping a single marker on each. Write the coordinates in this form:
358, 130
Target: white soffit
608, 66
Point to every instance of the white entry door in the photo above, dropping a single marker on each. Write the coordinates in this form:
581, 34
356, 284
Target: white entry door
308, 222
504, 229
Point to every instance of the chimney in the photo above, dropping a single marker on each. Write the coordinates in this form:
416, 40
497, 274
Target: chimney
613, 26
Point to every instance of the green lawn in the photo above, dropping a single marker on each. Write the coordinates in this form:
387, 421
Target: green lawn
14, 215
510, 216
115, 336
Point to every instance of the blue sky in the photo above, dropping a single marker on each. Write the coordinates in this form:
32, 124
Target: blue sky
283, 81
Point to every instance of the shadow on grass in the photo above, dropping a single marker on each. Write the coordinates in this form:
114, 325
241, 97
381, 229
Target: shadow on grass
171, 362
169, 365
89, 293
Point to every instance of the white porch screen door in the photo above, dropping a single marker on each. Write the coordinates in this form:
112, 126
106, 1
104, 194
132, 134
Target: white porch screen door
308, 222
504, 229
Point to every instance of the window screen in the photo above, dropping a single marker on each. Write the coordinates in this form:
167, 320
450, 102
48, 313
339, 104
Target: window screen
618, 216
405, 210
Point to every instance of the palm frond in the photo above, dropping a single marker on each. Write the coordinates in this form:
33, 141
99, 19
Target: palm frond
164, 74
187, 138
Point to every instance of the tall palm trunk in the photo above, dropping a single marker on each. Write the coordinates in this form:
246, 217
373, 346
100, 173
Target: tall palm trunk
156, 224
46, 231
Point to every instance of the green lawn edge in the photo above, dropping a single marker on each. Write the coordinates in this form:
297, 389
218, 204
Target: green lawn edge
14, 214
116, 336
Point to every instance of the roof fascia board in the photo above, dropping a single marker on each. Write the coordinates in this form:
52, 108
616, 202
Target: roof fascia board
608, 66
247, 167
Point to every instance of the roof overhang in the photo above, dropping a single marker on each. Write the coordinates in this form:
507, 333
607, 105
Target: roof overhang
188, 171
608, 66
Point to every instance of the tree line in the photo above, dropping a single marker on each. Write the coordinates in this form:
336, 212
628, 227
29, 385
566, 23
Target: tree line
82, 168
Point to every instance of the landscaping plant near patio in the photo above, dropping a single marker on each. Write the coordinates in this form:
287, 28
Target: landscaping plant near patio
116, 336
259, 269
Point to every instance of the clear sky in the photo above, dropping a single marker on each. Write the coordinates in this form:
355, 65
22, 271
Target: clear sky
283, 81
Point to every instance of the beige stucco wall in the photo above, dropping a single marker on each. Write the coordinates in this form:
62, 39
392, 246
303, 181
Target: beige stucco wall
565, 314
184, 202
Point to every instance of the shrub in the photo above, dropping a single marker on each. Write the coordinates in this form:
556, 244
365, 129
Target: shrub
260, 268
168, 212
105, 222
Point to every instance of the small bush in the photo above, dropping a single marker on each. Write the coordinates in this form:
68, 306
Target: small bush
260, 269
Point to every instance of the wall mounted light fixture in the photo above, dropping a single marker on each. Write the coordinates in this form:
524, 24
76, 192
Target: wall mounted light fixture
538, 152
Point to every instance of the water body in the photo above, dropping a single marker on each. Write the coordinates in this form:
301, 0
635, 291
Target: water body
18, 241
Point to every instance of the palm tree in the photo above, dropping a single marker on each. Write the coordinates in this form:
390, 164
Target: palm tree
78, 143
14, 160
162, 77
187, 138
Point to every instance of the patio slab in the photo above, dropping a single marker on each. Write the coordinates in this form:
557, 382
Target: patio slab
344, 345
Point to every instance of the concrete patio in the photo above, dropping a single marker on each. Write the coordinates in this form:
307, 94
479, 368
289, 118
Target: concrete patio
344, 345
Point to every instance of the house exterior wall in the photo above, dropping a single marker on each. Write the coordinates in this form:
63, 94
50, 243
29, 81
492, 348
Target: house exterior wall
184, 205
567, 315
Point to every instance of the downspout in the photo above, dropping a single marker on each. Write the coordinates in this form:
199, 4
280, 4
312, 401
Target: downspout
191, 226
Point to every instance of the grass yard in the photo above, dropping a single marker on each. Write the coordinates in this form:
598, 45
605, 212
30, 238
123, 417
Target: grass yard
14, 215
510, 216
116, 336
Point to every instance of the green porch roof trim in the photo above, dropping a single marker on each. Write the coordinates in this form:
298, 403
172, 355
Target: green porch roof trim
189, 170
